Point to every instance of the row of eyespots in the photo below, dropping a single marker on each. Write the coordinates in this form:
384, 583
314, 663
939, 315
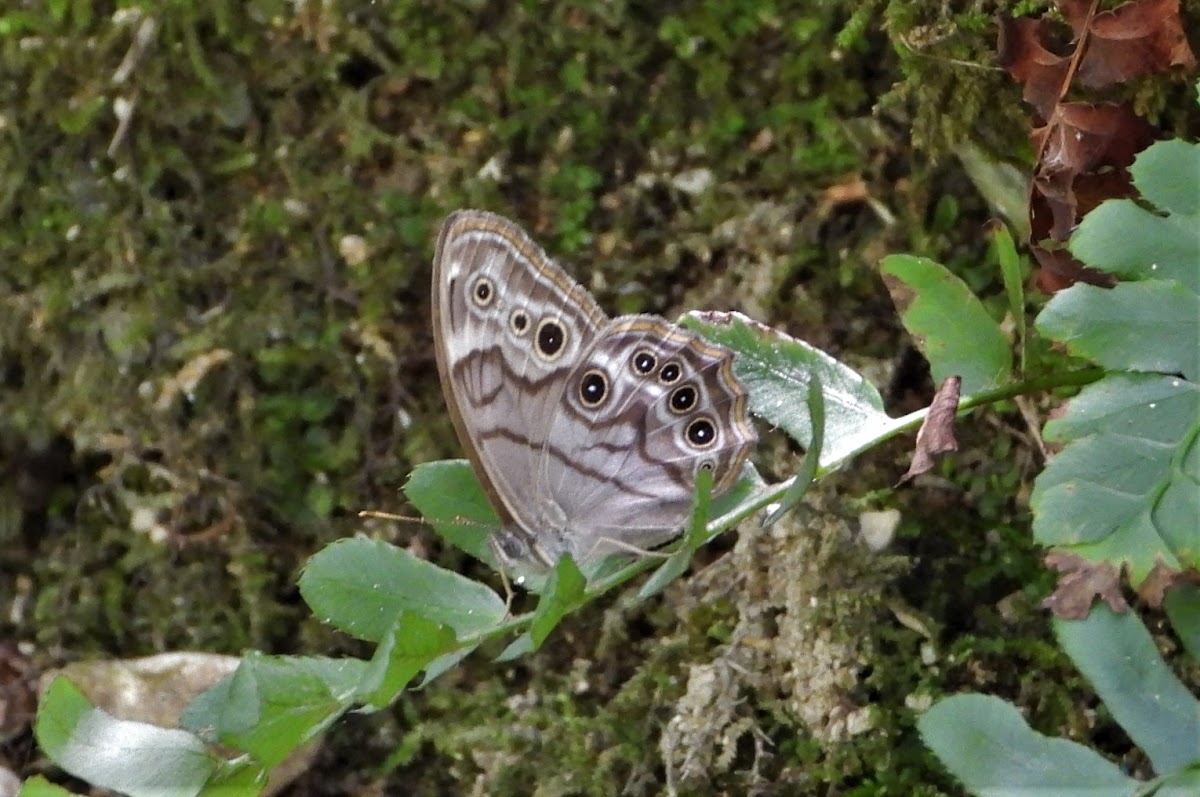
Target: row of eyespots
594, 386
643, 362
551, 336
550, 339
700, 433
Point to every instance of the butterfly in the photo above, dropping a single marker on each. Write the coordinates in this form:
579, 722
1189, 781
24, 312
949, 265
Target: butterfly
586, 432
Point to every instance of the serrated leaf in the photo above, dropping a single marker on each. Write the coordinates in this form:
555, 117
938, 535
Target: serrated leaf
412, 645
1123, 238
775, 369
1167, 174
1149, 326
986, 744
1124, 488
949, 323
1119, 657
448, 494
361, 586
133, 758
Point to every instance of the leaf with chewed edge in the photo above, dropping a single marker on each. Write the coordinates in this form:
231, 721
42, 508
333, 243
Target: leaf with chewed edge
949, 323
776, 369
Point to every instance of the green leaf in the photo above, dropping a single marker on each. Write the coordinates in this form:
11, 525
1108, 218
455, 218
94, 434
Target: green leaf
241, 777
702, 504
413, 644
776, 369
1005, 252
37, 786
133, 758
988, 746
564, 591
271, 705
675, 566
1141, 326
1182, 605
1124, 488
1180, 784
949, 324
696, 536
808, 471
1167, 173
361, 586
443, 664
449, 496
521, 646
1002, 184
1118, 656
1124, 238
747, 487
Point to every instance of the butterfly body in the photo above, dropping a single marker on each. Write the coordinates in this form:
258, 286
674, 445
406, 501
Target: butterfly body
587, 432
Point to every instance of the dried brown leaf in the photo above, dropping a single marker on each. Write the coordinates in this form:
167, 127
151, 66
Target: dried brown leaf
1161, 578
936, 435
1020, 50
1131, 40
1084, 149
1079, 584
1086, 153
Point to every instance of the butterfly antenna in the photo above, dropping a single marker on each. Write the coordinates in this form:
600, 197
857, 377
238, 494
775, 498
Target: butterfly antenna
389, 516
627, 547
457, 520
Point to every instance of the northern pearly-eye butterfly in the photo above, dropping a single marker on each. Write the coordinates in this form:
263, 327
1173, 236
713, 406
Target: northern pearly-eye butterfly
586, 432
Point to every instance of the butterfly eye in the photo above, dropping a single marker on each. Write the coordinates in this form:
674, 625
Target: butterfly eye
701, 434
670, 373
518, 322
551, 337
483, 292
593, 388
643, 362
683, 398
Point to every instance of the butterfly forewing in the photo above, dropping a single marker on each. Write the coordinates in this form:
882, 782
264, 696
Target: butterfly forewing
508, 325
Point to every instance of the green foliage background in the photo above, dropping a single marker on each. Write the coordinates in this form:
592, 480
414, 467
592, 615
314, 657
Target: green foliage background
215, 227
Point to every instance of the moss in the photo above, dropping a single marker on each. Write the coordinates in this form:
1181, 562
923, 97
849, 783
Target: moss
216, 224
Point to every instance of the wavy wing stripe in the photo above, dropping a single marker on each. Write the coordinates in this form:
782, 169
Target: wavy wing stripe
565, 476
513, 382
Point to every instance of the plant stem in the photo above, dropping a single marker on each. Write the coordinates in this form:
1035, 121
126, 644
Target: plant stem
773, 493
